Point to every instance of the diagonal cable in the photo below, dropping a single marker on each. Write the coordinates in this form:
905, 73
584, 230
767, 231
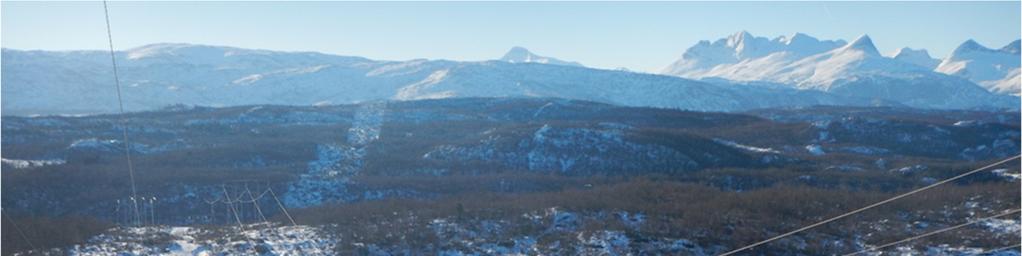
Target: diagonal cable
120, 107
936, 232
832, 219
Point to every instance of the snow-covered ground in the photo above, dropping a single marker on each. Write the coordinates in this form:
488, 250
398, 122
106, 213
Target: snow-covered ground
746, 147
328, 177
254, 239
21, 164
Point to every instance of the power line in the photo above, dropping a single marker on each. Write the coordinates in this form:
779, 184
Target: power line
282, 207
231, 206
255, 202
869, 206
212, 210
936, 232
1001, 248
120, 106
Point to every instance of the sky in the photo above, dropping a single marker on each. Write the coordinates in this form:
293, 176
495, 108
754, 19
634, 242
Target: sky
641, 36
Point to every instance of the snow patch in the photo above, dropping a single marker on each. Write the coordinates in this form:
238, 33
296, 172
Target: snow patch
23, 164
745, 147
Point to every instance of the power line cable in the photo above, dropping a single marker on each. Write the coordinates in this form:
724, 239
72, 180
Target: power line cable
255, 203
120, 107
212, 210
1000, 249
870, 206
282, 207
231, 206
936, 232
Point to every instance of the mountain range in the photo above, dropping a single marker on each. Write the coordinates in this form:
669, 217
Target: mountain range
739, 73
994, 69
854, 68
155, 76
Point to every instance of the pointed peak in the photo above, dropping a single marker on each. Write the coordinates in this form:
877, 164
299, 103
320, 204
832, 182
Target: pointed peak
970, 45
970, 42
517, 53
864, 44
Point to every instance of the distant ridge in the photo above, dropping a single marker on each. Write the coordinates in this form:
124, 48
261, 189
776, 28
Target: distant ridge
519, 54
849, 69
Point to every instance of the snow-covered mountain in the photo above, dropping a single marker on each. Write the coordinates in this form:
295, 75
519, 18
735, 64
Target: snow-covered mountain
918, 57
155, 76
854, 69
521, 55
994, 69
702, 58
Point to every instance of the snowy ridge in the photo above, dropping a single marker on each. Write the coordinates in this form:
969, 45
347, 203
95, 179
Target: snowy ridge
22, 164
996, 70
155, 76
743, 46
917, 57
169, 74
855, 69
1009, 85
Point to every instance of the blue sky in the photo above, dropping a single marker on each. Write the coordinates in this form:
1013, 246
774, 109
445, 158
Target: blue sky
640, 36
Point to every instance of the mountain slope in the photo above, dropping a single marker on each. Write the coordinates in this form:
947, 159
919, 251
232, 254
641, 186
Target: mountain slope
995, 70
521, 55
155, 76
856, 70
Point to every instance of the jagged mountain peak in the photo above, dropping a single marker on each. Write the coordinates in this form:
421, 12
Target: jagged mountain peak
742, 45
855, 69
739, 38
